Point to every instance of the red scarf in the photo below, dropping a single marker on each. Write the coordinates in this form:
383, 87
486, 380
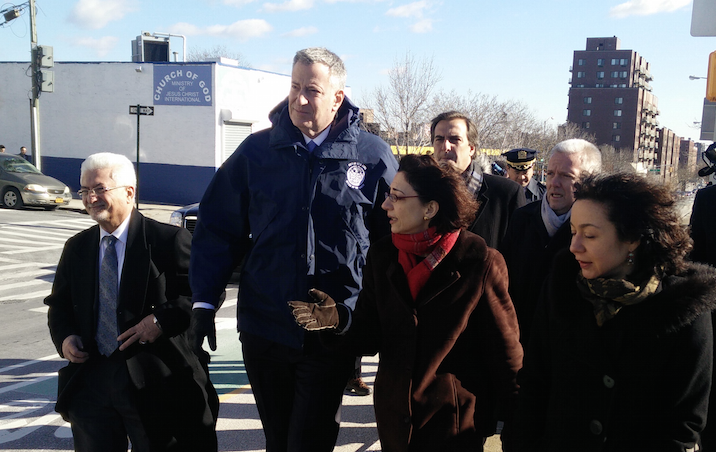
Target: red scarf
412, 248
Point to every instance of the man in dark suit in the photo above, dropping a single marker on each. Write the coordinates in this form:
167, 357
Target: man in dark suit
118, 310
540, 229
454, 138
703, 232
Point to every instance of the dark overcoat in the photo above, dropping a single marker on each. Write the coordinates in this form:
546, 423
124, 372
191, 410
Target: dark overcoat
639, 382
529, 250
703, 232
498, 198
449, 359
174, 394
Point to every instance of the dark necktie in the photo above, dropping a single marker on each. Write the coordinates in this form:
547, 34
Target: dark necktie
311, 145
107, 330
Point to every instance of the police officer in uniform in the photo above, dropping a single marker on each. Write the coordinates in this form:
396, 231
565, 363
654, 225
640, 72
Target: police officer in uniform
520, 168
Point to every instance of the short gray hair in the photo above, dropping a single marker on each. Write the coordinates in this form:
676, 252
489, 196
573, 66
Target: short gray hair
121, 168
313, 55
590, 155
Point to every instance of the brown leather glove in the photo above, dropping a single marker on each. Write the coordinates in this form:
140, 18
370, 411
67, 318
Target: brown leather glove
320, 315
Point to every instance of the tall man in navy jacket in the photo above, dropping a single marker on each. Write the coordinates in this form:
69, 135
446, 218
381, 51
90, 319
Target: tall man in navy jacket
299, 204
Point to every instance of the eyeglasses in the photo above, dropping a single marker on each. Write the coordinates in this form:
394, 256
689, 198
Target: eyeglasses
395, 198
99, 191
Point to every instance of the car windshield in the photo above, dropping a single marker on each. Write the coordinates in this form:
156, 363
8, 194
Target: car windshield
19, 165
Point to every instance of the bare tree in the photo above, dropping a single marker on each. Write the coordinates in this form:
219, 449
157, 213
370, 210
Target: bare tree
614, 160
401, 107
198, 54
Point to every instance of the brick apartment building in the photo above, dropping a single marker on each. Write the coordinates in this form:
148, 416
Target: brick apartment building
610, 97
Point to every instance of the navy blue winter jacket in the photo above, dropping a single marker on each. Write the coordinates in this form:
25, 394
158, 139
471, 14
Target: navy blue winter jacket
300, 220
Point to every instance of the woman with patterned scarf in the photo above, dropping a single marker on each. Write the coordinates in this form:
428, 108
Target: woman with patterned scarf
435, 306
621, 353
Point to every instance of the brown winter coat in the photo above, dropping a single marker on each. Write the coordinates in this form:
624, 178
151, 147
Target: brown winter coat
448, 361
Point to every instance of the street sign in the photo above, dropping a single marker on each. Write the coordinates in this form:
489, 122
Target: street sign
702, 14
143, 110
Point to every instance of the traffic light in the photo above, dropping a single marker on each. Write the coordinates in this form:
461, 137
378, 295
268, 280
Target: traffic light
711, 78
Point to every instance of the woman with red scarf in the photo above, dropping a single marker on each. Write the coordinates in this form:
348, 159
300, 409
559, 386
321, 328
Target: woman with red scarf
435, 306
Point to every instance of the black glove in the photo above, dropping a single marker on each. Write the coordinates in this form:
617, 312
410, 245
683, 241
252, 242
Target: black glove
320, 315
202, 326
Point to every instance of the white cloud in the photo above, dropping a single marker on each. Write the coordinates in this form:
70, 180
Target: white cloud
183, 28
243, 30
101, 46
423, 26
647, 7
300, 32
290, 5
95, 14
414, 9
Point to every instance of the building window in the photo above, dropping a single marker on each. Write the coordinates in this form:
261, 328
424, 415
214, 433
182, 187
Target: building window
615, 61
623, 61
619, 100
622, 85
579, 86
587, 100
580, 74
613, 85
616, 138
623, 74
599, 85
616, 125
614, 74
600, 62
600, 74
617, 112
581, 62
585, 125
586, 112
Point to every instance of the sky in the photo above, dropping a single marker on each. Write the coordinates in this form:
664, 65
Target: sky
514, 49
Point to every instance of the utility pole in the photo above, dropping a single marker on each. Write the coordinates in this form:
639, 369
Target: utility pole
36, 83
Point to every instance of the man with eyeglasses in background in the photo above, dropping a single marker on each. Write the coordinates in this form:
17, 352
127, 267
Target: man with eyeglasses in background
118, 310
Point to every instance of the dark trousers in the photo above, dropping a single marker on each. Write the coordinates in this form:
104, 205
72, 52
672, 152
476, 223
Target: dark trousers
298, 393
103, 410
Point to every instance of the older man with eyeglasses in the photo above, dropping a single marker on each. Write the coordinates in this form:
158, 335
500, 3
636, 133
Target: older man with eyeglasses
118, 311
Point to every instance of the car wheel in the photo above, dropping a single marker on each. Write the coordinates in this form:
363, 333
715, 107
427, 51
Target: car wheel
11, 198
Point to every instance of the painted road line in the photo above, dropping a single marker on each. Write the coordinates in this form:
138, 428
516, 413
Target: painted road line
39, 272
30, 362
46, 235
28, 296
42, 377
22, 284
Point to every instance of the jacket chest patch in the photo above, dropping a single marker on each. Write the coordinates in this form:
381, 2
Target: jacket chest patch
355, 175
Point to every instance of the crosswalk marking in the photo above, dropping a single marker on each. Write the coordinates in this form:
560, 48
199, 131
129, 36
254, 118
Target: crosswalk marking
28, 296
46, 235
4, 268
34, 273
23, 284
24, 237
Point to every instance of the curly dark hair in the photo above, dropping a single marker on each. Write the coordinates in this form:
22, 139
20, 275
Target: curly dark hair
444, 185
640, 209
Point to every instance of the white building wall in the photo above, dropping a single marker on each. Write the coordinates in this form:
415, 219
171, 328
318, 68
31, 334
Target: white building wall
89, 112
